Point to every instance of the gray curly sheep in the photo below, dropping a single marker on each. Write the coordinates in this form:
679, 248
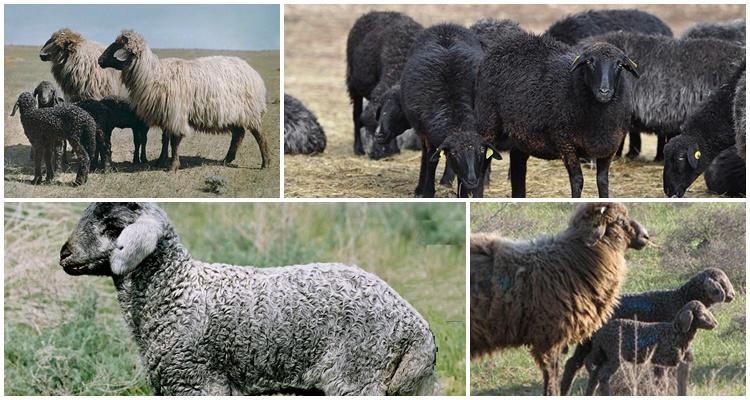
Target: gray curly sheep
47, 127
302, 132
47, 96
662, 343
218, 329
710, 286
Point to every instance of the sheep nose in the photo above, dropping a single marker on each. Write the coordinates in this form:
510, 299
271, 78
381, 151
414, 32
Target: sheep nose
604, 90
65, 252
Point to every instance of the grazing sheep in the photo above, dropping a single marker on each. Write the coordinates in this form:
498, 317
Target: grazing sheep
437, 98
302, 132
705, 134
726, 174
732, 31
75, 68
376, 51
554, 101
710, 286
208, 94
552, 291
574, 28
662, 343
47, 127
681, 74
218, 329
738, 109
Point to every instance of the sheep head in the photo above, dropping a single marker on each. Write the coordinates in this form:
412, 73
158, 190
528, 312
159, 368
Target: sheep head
694, 315
25, 102
391, 122
715, 286
60, 45
467, 153
46, 95
683, 163
113, 238
123, 51
601, 65
608, 223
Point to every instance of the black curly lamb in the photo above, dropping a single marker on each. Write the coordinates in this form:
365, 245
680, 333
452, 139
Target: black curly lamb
710, 286
681, 74
733, 31
555, 101
376, 51
302, 132
44, 127
705, 134
573, 28
47, 95
662, 343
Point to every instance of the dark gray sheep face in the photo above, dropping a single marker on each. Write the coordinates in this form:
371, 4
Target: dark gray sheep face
716, 286
46, 95
392, 121
116, 55
602, 65
25, 102
682, 165
467, 154
112, 238
695, 314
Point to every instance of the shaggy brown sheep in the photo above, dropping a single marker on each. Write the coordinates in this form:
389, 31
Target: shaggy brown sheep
551, 291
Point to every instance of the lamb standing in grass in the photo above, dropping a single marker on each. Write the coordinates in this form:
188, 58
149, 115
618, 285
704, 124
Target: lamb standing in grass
209, 94
217, 329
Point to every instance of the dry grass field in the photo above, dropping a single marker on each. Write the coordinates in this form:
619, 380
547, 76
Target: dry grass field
201, 154
315, 67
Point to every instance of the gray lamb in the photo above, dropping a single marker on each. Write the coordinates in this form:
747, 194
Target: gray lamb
46, 127
662, 343
217, 329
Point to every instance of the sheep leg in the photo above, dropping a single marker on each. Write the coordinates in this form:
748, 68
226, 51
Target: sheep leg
428, 189
605, 373
574, 363
635, 144
661, 140
356, 114
82, 174
418, 192
107, 152
164, 155
265, 155
49, 164
140, 137
38, 156
593, 381
573, 165
238, 133
683, 373
618, 154
602, 176
517, 172
175, 143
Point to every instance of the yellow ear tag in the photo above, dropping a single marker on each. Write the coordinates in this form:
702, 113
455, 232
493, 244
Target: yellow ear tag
442, 155
489, 153
697, 155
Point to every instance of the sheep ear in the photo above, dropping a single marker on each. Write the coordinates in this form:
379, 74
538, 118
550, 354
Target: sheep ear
136, 242
493, 152
596, 235
693, 156
684, 320
437, 155
631, 67
15, 107
122, 55
577, 62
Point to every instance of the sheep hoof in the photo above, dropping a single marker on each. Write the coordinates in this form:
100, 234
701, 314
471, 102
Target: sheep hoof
36, 181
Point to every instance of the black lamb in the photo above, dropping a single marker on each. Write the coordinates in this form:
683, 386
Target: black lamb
47, 95
45, 127
705, 134
302, 132
555, 101
573, 28
437, 97
376, 52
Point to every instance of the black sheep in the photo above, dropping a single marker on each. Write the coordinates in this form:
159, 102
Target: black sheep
376, 52
733, 31
726, 174
573, 28
488, 29
554, 101
437, 97
705, 134
302, 132
680, 75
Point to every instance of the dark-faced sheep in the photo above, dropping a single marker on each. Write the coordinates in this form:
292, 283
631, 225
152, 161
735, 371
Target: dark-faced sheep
704, 135
302, 132
376, 51
437, 97
47, 127
573, 28
661, 343
554, 101
218, 329
710, 286
680, 76
552, 291
208, 94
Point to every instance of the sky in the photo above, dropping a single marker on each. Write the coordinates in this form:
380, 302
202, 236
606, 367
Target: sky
218, 27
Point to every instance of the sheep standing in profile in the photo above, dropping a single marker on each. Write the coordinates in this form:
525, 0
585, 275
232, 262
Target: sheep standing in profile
302, 132
217, 329
552, 291
208, 94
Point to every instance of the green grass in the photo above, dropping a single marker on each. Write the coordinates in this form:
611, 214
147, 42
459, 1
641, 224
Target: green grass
719, 367
65, 335
201, 154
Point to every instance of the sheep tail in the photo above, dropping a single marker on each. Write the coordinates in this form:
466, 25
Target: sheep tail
415, 373
574, 363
